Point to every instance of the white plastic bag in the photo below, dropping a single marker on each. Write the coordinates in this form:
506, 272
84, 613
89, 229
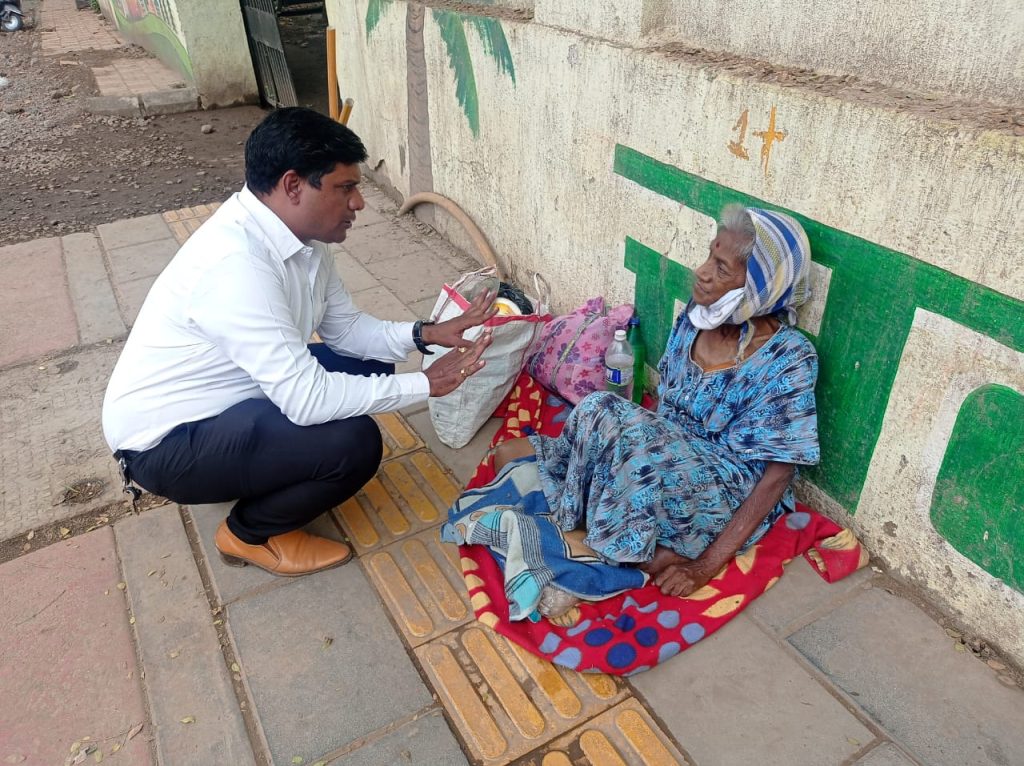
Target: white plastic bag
459, 415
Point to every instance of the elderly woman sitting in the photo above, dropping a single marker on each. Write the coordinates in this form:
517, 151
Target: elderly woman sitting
681, 490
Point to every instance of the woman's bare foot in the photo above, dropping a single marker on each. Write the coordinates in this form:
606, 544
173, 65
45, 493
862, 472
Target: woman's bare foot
555, 602
663, 557
511, 450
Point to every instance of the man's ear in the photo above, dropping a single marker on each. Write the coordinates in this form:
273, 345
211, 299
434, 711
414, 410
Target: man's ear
291, 184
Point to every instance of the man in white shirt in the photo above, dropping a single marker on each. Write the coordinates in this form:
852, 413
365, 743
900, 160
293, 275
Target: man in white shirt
216, 395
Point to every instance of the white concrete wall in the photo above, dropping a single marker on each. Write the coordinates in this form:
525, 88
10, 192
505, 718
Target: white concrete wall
970, 50
539, 180
214, 35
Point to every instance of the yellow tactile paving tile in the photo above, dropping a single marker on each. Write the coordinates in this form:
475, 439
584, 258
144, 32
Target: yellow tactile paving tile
623, 736
185, 221
420, 580
410, 493
399, 438
504, 700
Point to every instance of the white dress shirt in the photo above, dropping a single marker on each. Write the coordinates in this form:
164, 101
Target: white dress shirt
229, 319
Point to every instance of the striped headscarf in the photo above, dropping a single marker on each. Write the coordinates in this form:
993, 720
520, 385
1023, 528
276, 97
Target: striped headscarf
777, 272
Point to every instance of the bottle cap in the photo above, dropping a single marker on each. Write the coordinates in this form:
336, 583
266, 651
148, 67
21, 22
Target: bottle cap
620, 335
634, 321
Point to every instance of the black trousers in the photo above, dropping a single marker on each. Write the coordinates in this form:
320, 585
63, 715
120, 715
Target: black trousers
283, 475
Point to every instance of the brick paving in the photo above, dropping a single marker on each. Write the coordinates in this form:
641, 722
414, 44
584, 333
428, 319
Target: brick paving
128, 77
381, 661
68, 30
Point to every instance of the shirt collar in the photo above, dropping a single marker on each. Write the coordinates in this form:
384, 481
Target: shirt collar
278, 235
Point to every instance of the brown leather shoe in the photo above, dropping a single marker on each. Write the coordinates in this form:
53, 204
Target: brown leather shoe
289, 555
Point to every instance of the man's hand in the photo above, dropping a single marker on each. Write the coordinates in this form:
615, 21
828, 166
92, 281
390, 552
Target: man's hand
449, 334
448, 372
683, 578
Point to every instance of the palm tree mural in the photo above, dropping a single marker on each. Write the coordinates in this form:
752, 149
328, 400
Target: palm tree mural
452, 27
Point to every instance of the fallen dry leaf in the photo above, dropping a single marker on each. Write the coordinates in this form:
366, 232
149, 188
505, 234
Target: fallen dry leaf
150, 573
64, 531
98, 756
122, 585
297, 760
165, 555
234, 667
174, 655
116, 747
328, 640
30, 535
189, 719
133, 731
131, 620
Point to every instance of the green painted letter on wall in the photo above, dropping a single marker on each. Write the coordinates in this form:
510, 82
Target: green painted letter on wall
978, 503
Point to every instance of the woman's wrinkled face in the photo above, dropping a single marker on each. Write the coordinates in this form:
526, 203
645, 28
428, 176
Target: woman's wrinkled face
724, 270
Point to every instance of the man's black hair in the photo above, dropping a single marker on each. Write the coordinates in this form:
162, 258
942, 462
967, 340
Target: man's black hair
299, 139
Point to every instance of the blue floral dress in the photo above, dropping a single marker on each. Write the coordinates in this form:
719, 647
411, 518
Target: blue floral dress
635, 478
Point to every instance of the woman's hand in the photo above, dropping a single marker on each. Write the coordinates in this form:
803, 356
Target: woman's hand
683, 578
449, 334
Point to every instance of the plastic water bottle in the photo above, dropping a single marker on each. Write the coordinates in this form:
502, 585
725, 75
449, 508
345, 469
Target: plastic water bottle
636, 343
618, 366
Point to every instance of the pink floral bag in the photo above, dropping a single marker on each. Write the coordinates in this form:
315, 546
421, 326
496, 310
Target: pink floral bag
569, 356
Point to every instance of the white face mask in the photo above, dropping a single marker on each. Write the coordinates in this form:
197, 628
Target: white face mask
710, 317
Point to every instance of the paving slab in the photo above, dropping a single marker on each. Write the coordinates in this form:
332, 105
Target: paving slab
232, 583
91, 293
147, 259
385, 243
409, 494
322, 663
801, 595
420, 580
623, 736
901, 667
505, 701
130, 297
740, 692
427, 741
69, 669
415, 276
368, 216
133, 231
886, 754
52, 439
461, 462
381, 303
186, 220
169, 101
353, 274
37, 317
185, 671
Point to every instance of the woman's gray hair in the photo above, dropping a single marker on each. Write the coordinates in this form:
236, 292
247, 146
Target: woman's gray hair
736, 219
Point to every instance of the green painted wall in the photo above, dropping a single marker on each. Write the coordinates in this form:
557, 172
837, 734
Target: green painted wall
978, 503
872, 297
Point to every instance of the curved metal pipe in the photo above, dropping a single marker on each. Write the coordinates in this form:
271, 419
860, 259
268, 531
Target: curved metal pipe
479, 241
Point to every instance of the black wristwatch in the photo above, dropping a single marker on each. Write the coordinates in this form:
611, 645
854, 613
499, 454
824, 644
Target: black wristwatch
417, 336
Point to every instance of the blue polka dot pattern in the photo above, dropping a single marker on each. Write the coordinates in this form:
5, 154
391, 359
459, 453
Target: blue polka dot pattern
671, 649
625, 622
668, 619
621, 655
693, 632
570, 658
797, 520
550, 643
575, 630
647, 636
598, 637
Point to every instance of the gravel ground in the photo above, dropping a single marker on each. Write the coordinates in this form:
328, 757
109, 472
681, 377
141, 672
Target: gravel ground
66, 170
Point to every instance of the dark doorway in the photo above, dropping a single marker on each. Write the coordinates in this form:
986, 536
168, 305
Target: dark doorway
304, 34
288, 42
